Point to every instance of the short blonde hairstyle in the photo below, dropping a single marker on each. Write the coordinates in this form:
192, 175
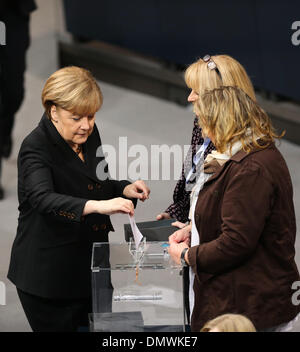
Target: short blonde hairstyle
74, 89
230, 115
200, 78
229, 323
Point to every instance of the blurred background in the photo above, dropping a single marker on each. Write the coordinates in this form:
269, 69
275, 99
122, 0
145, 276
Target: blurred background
138, 51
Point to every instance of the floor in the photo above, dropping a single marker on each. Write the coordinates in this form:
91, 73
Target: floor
143, 119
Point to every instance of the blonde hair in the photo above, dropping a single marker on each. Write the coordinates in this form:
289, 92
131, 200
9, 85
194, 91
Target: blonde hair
200, 78
229, 323
74, 89
230, 115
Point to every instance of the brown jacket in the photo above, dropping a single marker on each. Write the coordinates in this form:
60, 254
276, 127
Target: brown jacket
246, 223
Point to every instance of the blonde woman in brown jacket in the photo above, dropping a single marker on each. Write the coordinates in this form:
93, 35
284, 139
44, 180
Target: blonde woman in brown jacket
240, 243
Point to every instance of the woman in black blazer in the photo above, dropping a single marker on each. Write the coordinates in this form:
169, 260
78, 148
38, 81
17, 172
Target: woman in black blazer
64, 205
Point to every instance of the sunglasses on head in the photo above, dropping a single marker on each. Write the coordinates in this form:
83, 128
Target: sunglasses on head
211, 64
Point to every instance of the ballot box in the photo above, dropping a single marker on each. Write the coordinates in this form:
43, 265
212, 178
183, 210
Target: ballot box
136, 289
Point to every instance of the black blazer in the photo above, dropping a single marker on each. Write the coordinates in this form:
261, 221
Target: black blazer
51, 254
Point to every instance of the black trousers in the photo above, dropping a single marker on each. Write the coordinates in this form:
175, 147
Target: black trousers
52, 315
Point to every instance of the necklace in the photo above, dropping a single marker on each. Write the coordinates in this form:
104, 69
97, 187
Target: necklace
78, 149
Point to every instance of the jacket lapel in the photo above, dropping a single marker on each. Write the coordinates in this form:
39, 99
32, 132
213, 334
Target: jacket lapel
217, 173
237, 158
92, 155
88, 168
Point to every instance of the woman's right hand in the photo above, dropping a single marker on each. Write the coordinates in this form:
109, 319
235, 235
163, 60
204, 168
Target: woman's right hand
115, 205
182, 235
163, 216
179, 224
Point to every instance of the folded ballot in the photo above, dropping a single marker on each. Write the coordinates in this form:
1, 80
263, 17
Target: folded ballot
159, 230
135, 231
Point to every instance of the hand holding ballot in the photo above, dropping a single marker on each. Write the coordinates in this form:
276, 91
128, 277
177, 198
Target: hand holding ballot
163, 216
138, 190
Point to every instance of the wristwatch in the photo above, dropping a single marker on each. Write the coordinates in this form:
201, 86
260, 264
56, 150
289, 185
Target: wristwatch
183, 262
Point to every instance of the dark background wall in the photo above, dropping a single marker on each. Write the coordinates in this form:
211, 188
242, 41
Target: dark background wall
256, 32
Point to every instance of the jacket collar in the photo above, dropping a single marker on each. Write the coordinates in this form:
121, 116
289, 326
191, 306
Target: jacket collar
238, 157
71, 159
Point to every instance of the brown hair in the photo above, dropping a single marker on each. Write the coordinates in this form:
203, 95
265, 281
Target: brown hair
74, 89
229, 323
230, 115
200, 78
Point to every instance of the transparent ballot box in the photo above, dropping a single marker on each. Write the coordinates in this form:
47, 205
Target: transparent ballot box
136, 290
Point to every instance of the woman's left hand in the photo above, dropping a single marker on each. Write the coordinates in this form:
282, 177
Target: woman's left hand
138, 190
176, 249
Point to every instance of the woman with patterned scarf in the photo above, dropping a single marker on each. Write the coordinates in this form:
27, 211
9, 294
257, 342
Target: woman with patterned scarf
204, 74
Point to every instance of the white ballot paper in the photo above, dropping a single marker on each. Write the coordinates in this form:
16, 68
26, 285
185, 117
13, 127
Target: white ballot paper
136, 232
